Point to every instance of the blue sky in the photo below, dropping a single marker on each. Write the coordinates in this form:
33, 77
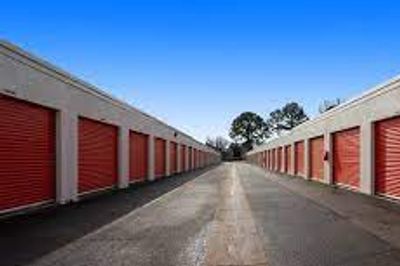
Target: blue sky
198, 64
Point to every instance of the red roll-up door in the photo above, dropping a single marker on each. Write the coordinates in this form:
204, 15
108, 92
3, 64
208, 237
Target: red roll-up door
346, 157
199, 159
27, 154
284, 166
279, 159
173, 157
190, 158
265, 159
98, 153
288, 158
269, 160
183, 158
387, 157
299, 157
196, 159
160, 160
273, 159
317, 158
138, 156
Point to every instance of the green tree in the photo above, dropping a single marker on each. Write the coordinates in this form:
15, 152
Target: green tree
288, 117
248, 129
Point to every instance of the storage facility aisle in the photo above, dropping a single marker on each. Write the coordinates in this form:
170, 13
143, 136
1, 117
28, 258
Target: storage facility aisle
236, 214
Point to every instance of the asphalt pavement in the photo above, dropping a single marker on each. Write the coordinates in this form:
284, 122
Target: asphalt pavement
232, 214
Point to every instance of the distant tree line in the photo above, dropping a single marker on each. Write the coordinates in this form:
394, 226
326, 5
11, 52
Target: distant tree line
250, 129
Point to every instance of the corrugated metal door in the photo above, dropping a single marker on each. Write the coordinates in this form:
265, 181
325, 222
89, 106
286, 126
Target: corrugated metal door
269, 160
183, 158
138, 156
173, 157
279, 159
265, 160
288, 158
194, 158
98, 153
190, 158
199, 158
27, 153
317, 158
273, 159
199, 155
160, 162
387, 157
346, 157
299, 157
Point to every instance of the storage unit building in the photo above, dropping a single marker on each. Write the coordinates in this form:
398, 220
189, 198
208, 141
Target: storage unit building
355, 145
61, 137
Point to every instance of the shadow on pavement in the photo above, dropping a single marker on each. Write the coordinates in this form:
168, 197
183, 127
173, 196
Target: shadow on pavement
25, 238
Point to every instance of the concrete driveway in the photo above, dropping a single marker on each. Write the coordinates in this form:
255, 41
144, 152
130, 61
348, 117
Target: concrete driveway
234, 214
